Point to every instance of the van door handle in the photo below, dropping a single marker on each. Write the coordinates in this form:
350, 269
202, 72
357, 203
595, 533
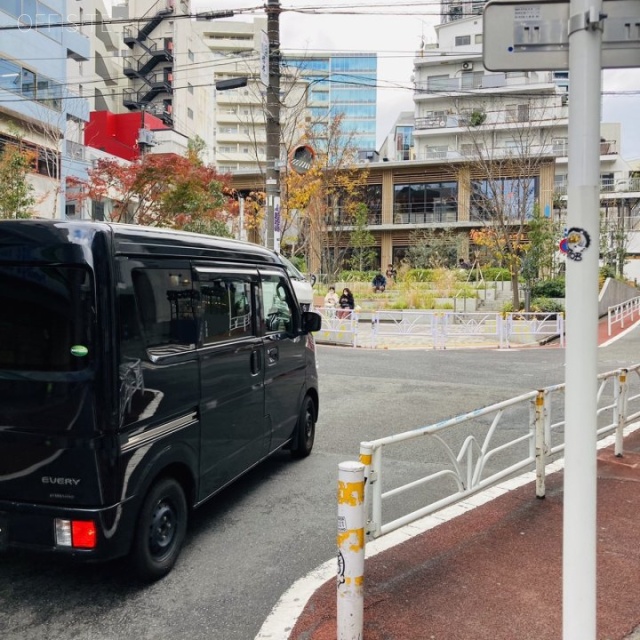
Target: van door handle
273, 354
255, 362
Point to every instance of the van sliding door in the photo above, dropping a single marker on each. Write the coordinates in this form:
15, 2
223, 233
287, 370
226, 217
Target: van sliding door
234, 435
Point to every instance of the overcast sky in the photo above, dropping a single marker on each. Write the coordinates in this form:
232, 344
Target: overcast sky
396, 38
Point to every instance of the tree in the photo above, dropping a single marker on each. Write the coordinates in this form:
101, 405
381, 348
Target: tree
16, 193
362, 241
329, 195
505, 148
433, 249
162, 190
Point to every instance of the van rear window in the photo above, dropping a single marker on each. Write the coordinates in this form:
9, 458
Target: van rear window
47, 318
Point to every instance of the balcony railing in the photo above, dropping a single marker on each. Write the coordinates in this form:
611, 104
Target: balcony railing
607, 185
374, 218
407, 213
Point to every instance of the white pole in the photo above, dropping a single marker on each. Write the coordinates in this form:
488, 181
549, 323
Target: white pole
579, 540
351, 519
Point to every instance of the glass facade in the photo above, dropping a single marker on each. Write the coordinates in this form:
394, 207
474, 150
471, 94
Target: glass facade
343, 84
425, 202
515, 197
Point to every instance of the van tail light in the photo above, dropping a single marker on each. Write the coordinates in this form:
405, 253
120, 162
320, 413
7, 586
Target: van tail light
77, 534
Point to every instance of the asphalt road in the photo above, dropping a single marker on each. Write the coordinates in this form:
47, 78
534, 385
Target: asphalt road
248, 545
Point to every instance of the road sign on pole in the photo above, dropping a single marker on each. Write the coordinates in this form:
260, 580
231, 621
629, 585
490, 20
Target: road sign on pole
582, 36
520, 35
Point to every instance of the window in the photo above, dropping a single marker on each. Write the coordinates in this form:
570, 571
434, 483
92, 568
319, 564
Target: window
518, 113
10, 76
560, 146
437, 83
28, 84
165, 299
46, 319
277, 305
478, 38
508, 197
462, 41
226, 308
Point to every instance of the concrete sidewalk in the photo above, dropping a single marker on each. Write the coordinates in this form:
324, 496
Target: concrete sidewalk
495, 571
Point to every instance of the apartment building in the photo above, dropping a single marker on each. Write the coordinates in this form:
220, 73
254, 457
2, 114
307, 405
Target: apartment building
169, 69
37, 106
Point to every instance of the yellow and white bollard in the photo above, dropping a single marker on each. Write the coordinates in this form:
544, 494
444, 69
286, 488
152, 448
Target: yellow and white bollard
351, 520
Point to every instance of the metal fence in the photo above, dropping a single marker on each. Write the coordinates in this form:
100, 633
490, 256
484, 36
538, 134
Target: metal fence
476, 450
626, 311
437, 329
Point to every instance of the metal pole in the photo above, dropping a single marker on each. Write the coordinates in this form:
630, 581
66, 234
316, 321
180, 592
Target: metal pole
579, 539
351, 518
273, 123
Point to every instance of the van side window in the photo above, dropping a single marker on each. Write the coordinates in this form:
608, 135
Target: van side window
277, 305
226, 309
165, 299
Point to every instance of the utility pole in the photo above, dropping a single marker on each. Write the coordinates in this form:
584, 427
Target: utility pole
272, 225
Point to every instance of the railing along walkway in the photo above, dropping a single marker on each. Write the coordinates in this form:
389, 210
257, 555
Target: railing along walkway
497, 441
625, 312
437, 329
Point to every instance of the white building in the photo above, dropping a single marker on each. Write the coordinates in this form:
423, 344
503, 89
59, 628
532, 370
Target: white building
463, 111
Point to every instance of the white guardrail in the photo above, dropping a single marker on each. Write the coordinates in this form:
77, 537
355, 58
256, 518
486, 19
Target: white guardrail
532, 423
436, 329
462, 456
620, 313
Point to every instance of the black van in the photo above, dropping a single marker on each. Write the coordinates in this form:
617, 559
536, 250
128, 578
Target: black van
141, 371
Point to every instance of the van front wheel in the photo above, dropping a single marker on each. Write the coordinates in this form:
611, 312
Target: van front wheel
162, 525
305, 430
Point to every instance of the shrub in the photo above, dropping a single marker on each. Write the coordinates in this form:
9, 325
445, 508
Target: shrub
546, 305
496, 274
553, 288
419, 275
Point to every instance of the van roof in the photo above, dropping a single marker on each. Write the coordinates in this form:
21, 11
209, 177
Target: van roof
133, 239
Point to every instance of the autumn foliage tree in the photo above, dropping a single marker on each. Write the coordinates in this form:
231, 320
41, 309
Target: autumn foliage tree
16, 193
163, 190
329, 196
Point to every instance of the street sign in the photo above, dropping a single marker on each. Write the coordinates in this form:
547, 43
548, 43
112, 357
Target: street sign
520, 35
302, 158
264, 58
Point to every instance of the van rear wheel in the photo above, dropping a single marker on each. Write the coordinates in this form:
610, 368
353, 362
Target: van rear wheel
162, 525
305, 429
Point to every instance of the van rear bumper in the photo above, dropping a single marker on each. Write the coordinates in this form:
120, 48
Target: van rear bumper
31, 527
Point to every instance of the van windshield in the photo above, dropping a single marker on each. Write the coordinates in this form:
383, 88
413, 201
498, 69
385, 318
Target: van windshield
46, 318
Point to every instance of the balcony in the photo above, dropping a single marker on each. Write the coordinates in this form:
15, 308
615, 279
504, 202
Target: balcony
425, 213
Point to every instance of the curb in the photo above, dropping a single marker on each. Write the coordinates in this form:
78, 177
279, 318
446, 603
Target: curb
282, 618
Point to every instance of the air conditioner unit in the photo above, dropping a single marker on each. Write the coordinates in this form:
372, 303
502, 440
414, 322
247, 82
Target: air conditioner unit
146, 137
467, 66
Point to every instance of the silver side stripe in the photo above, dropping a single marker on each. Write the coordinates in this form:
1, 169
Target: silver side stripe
158, 432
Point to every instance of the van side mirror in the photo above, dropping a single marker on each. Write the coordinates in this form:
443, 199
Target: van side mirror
311, 321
